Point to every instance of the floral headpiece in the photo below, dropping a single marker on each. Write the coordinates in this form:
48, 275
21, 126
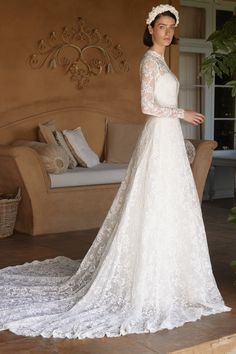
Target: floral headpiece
159, 10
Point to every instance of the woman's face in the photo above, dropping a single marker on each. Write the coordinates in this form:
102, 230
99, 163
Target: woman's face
163, 31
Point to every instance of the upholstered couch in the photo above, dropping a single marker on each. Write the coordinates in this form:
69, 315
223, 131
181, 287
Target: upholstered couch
44, 209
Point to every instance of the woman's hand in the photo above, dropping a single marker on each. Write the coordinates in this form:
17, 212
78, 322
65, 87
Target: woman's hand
194, 118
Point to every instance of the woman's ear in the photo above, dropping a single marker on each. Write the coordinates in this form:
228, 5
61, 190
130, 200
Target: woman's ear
150, 29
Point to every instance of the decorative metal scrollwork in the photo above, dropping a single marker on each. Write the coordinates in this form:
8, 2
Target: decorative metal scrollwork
82, 51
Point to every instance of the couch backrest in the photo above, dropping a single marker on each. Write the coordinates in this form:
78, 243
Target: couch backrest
23, 123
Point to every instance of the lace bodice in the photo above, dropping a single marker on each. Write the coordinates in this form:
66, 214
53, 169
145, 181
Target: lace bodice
159, 88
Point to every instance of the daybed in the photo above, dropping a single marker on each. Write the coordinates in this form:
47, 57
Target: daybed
45, 209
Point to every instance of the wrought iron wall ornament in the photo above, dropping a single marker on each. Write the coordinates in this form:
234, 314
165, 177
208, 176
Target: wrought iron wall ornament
82, 51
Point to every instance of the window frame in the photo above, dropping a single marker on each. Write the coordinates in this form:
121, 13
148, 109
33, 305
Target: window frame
201, 46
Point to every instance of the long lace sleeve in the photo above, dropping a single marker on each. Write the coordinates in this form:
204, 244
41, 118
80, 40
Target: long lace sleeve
149, 72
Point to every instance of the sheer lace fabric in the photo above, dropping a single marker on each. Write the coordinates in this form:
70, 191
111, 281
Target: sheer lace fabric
148, 267
191, 151
155, 86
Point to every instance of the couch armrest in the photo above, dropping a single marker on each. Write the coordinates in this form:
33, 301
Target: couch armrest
28, 164
21, 166
202, 162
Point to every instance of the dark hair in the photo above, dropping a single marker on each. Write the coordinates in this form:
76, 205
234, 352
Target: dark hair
147, 37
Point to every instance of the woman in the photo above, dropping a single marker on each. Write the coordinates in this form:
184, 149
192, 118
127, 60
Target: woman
149, 266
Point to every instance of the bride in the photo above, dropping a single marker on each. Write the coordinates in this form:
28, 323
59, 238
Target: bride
149, 266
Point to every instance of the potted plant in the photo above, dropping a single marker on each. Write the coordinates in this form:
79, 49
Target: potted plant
222, 60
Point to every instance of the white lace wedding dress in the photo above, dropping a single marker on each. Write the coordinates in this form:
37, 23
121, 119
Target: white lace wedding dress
149, 266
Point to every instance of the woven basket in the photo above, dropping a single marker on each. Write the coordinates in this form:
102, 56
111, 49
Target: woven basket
8, 211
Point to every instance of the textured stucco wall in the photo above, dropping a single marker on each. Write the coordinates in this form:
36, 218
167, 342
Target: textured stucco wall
25, 22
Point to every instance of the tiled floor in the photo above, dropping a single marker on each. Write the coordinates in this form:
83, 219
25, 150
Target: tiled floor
216, 332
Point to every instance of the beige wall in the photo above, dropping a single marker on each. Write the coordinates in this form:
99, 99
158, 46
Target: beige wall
24, 22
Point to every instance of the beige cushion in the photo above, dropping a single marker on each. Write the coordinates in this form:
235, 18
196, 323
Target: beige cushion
61, 141
45, 133
54, 158
121, 139
85, 156
191, 151
48, 133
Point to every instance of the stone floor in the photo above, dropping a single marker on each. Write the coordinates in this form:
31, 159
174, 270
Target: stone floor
212, 334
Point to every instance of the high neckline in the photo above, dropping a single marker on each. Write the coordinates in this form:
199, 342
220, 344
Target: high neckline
157, 54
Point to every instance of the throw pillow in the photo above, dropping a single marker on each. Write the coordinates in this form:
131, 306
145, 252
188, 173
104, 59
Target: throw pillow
85, 156
46, 133
62, 142
121, 139
54, 158
191, 151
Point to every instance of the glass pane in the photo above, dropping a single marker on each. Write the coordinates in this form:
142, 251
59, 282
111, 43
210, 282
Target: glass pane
192, 24
225, 134
224, 103
191, 97
221, 17
225, 131
190, 65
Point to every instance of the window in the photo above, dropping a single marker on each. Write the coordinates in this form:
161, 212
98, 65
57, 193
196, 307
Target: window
198, 20
196, 28
224, 103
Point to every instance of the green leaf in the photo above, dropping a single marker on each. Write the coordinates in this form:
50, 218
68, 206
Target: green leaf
232, 215
213, 36
218, 71
232, 219
221, 45
233, 92
233, 210
230, 63
224, 69
233, 264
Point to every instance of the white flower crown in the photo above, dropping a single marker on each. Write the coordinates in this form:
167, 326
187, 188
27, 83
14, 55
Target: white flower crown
159, 10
